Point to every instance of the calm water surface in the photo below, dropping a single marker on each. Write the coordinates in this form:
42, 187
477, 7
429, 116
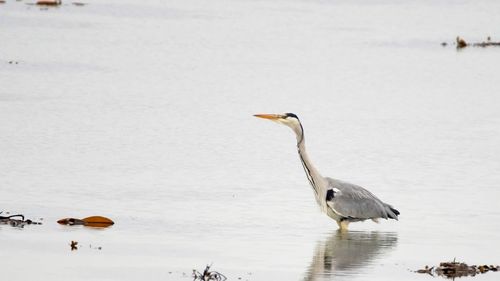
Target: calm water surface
142, 112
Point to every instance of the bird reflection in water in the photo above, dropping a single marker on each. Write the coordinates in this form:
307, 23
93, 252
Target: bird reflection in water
345, 253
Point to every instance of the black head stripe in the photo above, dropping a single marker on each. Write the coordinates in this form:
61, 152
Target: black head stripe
291, 115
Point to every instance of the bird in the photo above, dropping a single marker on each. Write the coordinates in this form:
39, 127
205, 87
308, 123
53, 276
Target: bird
342, 201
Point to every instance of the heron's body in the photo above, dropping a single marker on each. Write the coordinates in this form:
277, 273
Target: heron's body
344, 202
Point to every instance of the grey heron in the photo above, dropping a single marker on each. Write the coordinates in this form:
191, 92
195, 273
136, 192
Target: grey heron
342, 201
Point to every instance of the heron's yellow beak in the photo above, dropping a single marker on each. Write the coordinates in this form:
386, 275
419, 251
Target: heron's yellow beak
269, 116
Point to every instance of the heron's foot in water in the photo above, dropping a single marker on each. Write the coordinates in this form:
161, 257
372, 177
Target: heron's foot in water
343, 225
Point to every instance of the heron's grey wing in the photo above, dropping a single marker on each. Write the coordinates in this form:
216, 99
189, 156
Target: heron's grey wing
353, 201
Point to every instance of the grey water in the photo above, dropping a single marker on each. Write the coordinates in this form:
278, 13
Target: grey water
141, 111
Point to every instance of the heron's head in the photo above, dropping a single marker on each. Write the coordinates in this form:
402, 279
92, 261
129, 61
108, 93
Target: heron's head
288, 119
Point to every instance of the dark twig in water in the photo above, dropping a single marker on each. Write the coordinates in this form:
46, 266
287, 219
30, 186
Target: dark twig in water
457, 269
208, 275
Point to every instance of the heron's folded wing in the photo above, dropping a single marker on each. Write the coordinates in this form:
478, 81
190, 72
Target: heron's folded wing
353, 201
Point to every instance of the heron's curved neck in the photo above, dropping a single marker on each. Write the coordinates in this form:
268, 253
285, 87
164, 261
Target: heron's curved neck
314, 177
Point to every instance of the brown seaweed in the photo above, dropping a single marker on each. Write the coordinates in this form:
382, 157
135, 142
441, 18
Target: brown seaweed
455, 269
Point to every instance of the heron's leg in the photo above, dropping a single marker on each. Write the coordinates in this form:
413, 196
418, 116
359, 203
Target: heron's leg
343, 224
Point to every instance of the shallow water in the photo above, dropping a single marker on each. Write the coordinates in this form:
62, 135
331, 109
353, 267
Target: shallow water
142, 112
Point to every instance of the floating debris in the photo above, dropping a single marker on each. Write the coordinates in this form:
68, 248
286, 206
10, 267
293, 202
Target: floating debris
95, 248
461, 43
426, 269
73, 245
208, 275
457, 269
48, 2
16, 220
486, 44
94, 221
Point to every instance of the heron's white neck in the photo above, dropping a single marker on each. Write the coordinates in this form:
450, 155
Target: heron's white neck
318, 183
